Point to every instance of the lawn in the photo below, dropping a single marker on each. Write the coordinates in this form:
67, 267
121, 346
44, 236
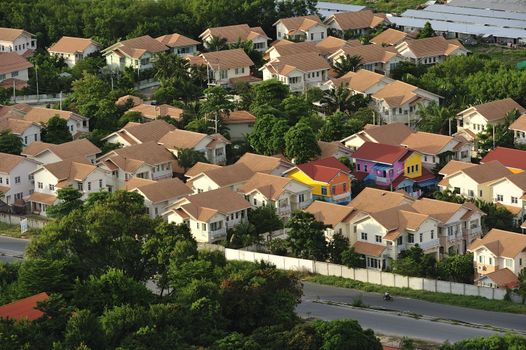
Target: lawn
388, 6
443, 298
509, 56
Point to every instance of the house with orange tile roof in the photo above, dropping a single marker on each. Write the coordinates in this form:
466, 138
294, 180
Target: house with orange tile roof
476, 119
209, 214
153, 112
14, 70
147, 160
329, 178
73, 49
15, 179
519, 130
300, 72
284, 194
27, 131
226, 67
392, 167
24, 309
135, 133
499, 257
430, 50
179, 44
301, 28
325, 47
239, 124
212, 146
337, 217
390, 37
17, 40
78, 174
238, 32
375, 58
158, 195
357, 22
46, 153
136, 53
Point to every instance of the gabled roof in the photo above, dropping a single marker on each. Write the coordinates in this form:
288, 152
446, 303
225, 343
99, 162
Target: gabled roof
381, 153
453, 166
331, 44
17, 126
357, 20
235, 32
389, 134
137, 47
181, 139
263, 164
330, 149
434, 46
176, 40
156, 111
11, 34
67, 150
330, 213
369, 249
519, 124
133, 157
487, 172
305, 62
13, 62
509, 157
135, 133
426, 142
362, 80
495, 110
271, 186
37, 114
299, 23
323, 170
389, 36
503, 278
164, 190
397, 93
369, 53
227, 59
501, 243
203, 206
227, 175
24, 308
239, 117
9, 161
441, 211
199, 168
400, 218
70, 44
371, 200
67, 171
518, 180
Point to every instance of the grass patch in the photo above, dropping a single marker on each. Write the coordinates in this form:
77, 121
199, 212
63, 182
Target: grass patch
443, 298
390, 6
501, 53
14, 231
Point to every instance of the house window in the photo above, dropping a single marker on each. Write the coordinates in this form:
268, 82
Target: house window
364, 236
378, 238
145, 61
408, 170
411, 238
520, 261
322, 35
365, 167
416, 168
450, 231
51, 187
236, 71
100, 183
301, 198
294, 80
17, 179
456, 190
14, 74
500, 198
514, 200
197, 225
219, 152
481, 259
344, 187
215, 226
255, 201
7, 181
358, 167
81, 186
223, 73
237, 215
204, 227
40, 185
400, 240
333, 189
480, 193
311, 36
509, 263
432, 234
89, 186
491, 261
323, 191
471, 193
421, 237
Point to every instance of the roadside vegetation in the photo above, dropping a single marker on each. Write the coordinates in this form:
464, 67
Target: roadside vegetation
389, 6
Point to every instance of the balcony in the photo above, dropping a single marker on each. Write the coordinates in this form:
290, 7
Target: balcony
431, 244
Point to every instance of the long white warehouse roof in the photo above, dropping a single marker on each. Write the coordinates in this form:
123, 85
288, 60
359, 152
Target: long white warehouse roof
476, 12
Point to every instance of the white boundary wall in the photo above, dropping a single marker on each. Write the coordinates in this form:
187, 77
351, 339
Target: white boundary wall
387, 279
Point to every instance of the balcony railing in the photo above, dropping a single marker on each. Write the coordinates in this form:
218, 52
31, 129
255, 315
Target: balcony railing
433, 243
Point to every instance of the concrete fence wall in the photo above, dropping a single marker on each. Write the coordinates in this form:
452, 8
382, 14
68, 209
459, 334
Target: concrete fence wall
387, 279
15, 220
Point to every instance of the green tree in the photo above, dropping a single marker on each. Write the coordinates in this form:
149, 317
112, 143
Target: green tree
168, 66
426, 32
188, 157
337, 245
434, 119
127, 117
335, 128
457, 268
269, 92
216, 44
521, 288
494, 342
5, 96
261, 138
56, 131
83, 328
306, 236
217, 104
352, 259
347, 64
278, 246
345, 334
243, 235
265, 219
301, 144
69, 200
10, 143
413, 262
295, 107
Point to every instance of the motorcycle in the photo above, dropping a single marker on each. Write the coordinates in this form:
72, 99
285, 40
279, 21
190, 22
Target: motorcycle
388, 297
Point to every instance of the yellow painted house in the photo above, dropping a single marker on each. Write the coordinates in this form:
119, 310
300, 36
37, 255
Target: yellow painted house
413, 165
328, 178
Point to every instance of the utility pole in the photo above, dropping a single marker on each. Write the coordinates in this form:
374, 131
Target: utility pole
449, 122
14, 91
36, 76
493, 136
60, 100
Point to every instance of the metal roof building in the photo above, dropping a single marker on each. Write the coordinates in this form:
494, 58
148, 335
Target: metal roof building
476, 12
502, 5
327, 9
470, 19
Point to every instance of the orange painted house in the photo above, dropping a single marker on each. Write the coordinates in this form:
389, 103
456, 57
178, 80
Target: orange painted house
328, 177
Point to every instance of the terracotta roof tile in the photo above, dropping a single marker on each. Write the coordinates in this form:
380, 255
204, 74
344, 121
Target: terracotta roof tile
164, 190
330, 213
389, 134
137, 47
69, 44
239, 117
323, 170
426, 142
11, 34
501, 243
389, 37
433, 46
330, 149
357, 20
300, 23
305, 62
495, 110
9, 161
43, 198
150, 131
13, 62
397, 93
455, 165
368, 249
371, 200
156, 111
361, 81
271, 186
132, 157
121, 101
67, 150
227, 59
199, 168
176, 40
369, 53
24, 308
234, 33
503, 278
263, 164
519, 124
487, 172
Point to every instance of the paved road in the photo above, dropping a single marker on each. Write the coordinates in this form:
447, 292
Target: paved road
406, 317
12, 249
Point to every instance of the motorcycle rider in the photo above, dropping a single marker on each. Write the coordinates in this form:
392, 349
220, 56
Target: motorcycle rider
387, 296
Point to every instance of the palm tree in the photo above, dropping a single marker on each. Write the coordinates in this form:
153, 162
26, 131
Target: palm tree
170, 66
336, 99
216, 44
346, 64
433, 118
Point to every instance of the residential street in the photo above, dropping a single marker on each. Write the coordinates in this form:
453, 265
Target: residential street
12, 249
406, 317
